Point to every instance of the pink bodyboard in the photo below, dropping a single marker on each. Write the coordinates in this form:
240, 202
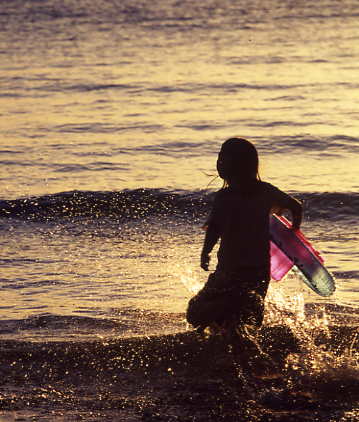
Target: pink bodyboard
280, 264
279, 261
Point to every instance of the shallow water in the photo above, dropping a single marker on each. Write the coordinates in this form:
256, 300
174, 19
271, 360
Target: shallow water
112, 116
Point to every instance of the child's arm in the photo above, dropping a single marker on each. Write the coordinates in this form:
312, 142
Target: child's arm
297, 214
294, 207
211, 238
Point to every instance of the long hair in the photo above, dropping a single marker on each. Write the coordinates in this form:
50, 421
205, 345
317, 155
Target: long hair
237, 163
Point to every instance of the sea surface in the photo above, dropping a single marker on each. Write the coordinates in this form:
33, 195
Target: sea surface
112, 114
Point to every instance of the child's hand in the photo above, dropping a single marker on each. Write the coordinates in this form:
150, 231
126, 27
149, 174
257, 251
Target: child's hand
205, 258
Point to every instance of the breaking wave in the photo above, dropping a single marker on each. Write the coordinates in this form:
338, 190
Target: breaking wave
141, 203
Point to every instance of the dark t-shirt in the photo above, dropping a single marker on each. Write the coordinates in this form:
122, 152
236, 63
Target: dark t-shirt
242, 221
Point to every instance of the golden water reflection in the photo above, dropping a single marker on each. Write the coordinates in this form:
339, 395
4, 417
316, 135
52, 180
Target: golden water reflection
104, 269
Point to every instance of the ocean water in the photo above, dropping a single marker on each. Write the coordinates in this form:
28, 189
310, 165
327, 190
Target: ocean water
112, 113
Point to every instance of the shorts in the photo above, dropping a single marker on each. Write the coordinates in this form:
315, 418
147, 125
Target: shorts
226, 299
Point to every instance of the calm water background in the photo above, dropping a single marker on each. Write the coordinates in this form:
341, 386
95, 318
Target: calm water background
98, 97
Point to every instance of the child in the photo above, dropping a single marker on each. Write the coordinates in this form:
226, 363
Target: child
234, 294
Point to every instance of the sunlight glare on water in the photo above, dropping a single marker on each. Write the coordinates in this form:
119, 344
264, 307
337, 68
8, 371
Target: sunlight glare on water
90, 127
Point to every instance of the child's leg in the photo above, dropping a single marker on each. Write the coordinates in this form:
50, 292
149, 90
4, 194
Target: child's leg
210, 304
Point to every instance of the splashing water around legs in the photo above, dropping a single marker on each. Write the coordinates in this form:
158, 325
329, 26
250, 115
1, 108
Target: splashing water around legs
311, 358
326, 365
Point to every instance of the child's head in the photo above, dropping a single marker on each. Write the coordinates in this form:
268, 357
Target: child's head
238, 162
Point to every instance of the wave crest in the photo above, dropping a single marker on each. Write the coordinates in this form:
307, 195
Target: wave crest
140, 203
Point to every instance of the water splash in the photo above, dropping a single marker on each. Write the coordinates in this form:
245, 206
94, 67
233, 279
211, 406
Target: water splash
326, 366
190, 280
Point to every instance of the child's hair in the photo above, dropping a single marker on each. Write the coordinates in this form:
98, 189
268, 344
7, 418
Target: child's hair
238, 163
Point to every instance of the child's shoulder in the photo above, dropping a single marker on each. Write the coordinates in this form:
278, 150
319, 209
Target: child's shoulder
268, 186
260, 187
272, 189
